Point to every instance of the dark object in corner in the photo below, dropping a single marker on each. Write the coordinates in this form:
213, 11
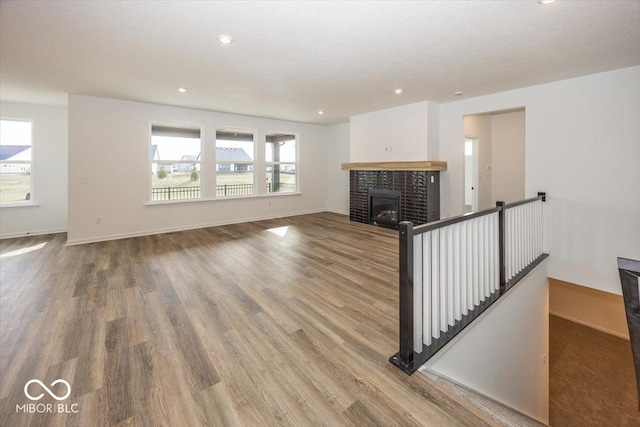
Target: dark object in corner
630, 281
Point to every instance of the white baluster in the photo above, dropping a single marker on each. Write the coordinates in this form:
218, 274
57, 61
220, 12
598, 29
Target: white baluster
476, 266
435, 284
486, 257
426, 293
496, 250
491, 258
456, 272
449, 284
417, 293
463, 269
469, 256
443, 280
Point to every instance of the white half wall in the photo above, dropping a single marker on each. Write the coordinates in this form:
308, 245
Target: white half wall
394, 134
504, 353
109, 171
582, 148
49, 173
337, 150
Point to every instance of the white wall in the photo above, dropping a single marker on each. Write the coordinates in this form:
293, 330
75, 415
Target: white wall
49, 173
479, 127
395, 134
582, 148
504, 354
507, 157
337, 151
109, 150
433, 130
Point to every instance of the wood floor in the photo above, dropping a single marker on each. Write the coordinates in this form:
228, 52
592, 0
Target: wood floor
281, 322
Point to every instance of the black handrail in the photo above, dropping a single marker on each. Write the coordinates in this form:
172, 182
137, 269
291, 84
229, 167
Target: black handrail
541, 196
430, 226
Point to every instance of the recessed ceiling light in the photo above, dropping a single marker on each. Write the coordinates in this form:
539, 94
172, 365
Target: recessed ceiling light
182, 89
398, 91
458, 93
546, 1
321, 112
225, 39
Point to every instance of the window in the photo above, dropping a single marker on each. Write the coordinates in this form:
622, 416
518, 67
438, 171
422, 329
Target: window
281, 156
234, 162
175, 162
16, 161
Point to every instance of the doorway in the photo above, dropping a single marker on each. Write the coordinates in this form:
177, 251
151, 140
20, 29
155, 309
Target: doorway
470, 175
494, 168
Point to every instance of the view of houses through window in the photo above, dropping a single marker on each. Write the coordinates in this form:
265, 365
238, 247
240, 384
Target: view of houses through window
234, 162
15, 161
175, 163
176, 156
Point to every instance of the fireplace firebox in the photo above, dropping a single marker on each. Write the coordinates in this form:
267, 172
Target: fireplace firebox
384, 208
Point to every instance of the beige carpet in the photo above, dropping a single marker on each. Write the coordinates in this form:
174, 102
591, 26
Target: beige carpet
591, 377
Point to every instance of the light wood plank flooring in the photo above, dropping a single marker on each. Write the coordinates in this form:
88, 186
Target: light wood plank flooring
281, 322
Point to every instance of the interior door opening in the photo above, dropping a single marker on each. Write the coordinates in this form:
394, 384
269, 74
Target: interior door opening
470, 175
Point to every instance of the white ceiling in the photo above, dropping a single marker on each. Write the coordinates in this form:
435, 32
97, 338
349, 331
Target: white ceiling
291, 59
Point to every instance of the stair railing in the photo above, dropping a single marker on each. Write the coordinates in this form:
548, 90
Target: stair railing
453, 269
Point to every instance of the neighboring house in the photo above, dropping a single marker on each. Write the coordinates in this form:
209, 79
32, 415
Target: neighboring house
186, 167
155, 155
226, 158
10, 153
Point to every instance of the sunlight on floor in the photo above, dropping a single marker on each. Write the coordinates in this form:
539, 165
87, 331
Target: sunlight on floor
280, 231
23, 250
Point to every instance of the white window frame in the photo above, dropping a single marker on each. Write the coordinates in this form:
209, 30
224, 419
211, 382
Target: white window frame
3, 163
178, 126
296, 163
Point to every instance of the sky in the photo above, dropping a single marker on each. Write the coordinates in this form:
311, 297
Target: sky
15, 132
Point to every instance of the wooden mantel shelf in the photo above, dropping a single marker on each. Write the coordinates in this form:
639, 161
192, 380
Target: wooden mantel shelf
431, 165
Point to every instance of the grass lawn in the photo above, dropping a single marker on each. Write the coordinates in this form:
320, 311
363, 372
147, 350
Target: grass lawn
14, 187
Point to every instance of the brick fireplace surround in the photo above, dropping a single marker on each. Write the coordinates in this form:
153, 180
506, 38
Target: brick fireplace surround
419, 199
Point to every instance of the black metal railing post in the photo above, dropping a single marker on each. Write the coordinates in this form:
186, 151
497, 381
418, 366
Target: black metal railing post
501, 243
406, 293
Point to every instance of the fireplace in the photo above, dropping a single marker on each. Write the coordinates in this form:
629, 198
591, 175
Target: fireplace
384, 208
419, 192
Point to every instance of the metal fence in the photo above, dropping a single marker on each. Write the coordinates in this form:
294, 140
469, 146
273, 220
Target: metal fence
175, 193
194, 192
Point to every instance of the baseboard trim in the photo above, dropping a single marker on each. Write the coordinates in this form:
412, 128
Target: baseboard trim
32, 233
106, 238
589, 325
